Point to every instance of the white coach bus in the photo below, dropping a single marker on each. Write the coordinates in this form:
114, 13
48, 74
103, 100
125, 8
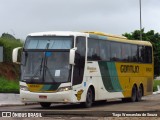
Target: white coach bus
77, 67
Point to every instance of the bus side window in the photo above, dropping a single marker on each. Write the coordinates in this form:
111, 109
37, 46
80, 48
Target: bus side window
141, 54
126, 52
104, 50
93, 50
134, 53
80, 53
148, 54
115, 51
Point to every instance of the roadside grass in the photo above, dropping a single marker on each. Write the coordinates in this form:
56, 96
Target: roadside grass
7, 86
156, 82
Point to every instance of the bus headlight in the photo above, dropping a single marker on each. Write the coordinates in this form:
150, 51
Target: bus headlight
24, 88
64, 89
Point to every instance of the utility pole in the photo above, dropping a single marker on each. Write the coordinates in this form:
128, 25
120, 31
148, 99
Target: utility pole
140, 20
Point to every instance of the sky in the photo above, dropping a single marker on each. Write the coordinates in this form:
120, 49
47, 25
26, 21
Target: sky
21, 17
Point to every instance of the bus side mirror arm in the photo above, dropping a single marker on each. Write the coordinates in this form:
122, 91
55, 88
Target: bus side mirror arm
15, 55
72, 56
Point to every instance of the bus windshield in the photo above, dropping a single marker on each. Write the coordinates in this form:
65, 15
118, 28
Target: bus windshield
46, 59
46, 67
55, 42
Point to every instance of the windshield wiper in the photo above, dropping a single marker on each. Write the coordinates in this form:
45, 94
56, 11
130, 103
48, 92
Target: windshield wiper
50, 74
38, 70
43, 67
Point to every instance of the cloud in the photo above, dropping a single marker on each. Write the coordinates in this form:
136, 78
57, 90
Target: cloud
112, 16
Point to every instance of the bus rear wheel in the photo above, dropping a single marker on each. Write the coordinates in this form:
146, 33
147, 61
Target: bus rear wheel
134, 94
89, 98
45, 104
139, 93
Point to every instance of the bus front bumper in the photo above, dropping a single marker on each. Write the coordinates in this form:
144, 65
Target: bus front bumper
57, 97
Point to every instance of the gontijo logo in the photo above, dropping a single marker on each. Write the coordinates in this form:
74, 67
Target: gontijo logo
129, 69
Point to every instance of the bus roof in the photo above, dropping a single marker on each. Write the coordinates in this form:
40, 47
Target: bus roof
116, 38
92, 34
106, 34
58, 33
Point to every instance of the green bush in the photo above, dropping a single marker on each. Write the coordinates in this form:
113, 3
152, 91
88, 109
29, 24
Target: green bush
156, 82
7, 86
8, 45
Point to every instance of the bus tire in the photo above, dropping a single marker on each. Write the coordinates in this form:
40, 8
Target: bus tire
45, 104
89, 98
139, 93
134, 94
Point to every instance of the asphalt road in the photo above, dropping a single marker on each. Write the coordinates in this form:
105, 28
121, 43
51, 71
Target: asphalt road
149, 104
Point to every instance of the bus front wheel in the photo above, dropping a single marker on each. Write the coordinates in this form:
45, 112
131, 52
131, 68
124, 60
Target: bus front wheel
45, 104
89, 98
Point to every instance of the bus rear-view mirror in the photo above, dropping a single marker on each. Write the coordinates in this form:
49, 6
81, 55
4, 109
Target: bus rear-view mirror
72, 56
15, 55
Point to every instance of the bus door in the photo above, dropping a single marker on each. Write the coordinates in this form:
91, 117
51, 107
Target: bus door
78, 73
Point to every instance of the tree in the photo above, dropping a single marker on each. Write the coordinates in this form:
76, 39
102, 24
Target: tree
154, 38
8, 36
9, 43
